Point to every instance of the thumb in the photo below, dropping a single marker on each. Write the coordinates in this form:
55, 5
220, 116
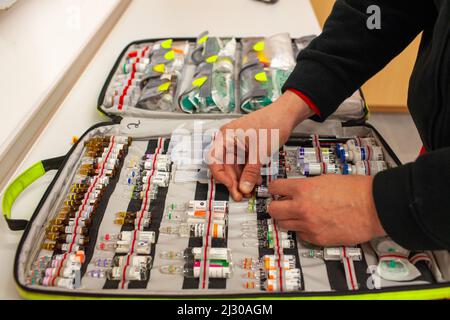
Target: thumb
251, 175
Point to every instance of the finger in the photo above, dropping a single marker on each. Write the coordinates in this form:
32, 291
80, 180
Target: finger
283, 210
234, 188
293, 225
221, 176
283, 187
304, 237
260, 181
226, 175
289, 225
249, 178
239, 169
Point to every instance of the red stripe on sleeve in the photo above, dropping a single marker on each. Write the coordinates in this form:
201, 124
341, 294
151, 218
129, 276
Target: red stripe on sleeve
422, 151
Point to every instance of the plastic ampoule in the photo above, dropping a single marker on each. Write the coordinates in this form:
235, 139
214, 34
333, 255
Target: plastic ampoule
271, 236
65, 211
67, 229
172, 269
177, 216
186, 270
102, 262
178, 207
75, 196
269, 262
252, 274
197, 254
262, 192
79, 188
134, 260
184, 230
107, 246
131, 273
42, 262
288, 285
254, 223
250, 263
65, 264
217, 269
254, 243
313, 253
140, 195
65, 283
96, 273
172, 255
63, 247
78, 256
251, 235
87, 172
73, 203
71, 221
68, 238
133, 163
145, 222
134, 215
251, 206
60, 272
252, 285
32, 280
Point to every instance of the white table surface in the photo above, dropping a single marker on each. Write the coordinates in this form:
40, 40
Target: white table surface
38, 40
143, 19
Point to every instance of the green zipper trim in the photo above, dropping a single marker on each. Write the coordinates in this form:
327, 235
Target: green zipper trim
423, 294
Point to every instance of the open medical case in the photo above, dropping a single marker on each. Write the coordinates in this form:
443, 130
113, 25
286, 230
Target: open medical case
134, 213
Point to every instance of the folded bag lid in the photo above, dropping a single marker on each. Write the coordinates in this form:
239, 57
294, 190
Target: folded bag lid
162, 52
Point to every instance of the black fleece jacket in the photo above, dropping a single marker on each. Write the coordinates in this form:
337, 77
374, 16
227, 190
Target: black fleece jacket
413, 201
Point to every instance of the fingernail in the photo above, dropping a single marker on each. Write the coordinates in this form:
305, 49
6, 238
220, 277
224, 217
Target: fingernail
247, 187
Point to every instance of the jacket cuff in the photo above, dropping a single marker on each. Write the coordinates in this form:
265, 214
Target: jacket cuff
395, 206
316, 80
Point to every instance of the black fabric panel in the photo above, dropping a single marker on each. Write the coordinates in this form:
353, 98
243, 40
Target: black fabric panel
361, 272
133, 206
336, 275
262, 251
426, 274
294, 252
97, 218
222, 194
157, 209
201, 194
217, 284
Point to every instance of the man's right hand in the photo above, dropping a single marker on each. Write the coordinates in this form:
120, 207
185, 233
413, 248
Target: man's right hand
240, 179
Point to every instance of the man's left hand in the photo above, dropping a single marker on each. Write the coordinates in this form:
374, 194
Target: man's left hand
330, 210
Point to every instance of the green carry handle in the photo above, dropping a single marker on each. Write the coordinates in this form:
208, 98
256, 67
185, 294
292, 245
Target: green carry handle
21, 183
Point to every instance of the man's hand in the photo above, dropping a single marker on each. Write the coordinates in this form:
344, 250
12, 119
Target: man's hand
241, 179
330, 210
